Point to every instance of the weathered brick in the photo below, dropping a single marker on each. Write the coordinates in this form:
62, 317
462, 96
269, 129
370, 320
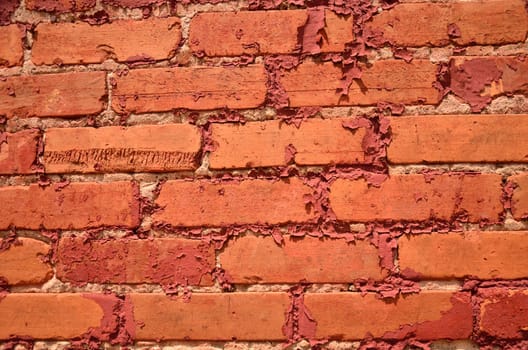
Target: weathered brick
22, 262
319, 84
7, 8
418, 197
60, 6
53, 95
133, 3
477, 80
139, 148
461, 138
204, 203
264, 32
247, 260
211, 316
520, 196
427, 316
57, 316
124, 41
484, 255
75, 206
504, 313
11, 50
18, 151
489, 22
161, 260
257, 144
200, 88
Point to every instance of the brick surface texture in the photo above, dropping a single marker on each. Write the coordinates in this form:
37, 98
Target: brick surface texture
264, 174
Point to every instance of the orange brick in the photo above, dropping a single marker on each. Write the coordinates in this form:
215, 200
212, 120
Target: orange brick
203, 203
257, 144
211, 316
161, 260
200, 88
134, 149
520, 196
11, 50
262, 32
19, 152
504, 313
22, 263
489, 22
484, 255
413, 197
318, 84
428, 315
60, 6
247, 260
53, 95
55, 316
126, 40
461, 138
76, 206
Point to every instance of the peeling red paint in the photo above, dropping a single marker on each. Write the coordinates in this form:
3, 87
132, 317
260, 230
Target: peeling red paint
299, 322
7, 8
312, 32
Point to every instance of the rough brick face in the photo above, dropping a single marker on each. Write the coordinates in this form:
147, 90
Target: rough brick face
60, 6
165, 261
53, 95
125, 40
520, 196
316, 142
264, 32
22, 262
11, 50
452, 139
111, 149
489, 22
76, 206
53, 316
504, 313
482, 255
393, 81
18, 152
204, 203
222, 316
428, 315
416, 198
247, 260
202, 88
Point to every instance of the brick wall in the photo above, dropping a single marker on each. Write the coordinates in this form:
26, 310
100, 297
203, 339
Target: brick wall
257, 174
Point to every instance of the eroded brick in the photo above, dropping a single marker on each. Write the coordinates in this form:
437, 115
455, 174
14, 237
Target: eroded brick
519, 201
504, 313
60, 6
23, 262
11, 50
18, 152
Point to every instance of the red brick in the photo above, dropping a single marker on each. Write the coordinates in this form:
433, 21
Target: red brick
247, 260
161, 260
110, 149
262, 32
257, 144
22, 262
477, 80
489, 22
504, 313
11, 50
53, 95
316, 84
204, 203
460, 138
76, 206
133, 3
211, 316
416, 197
55, 316
428, 315
520, 196
123, 41
18, 152
483, 255
60, 6
200, 88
